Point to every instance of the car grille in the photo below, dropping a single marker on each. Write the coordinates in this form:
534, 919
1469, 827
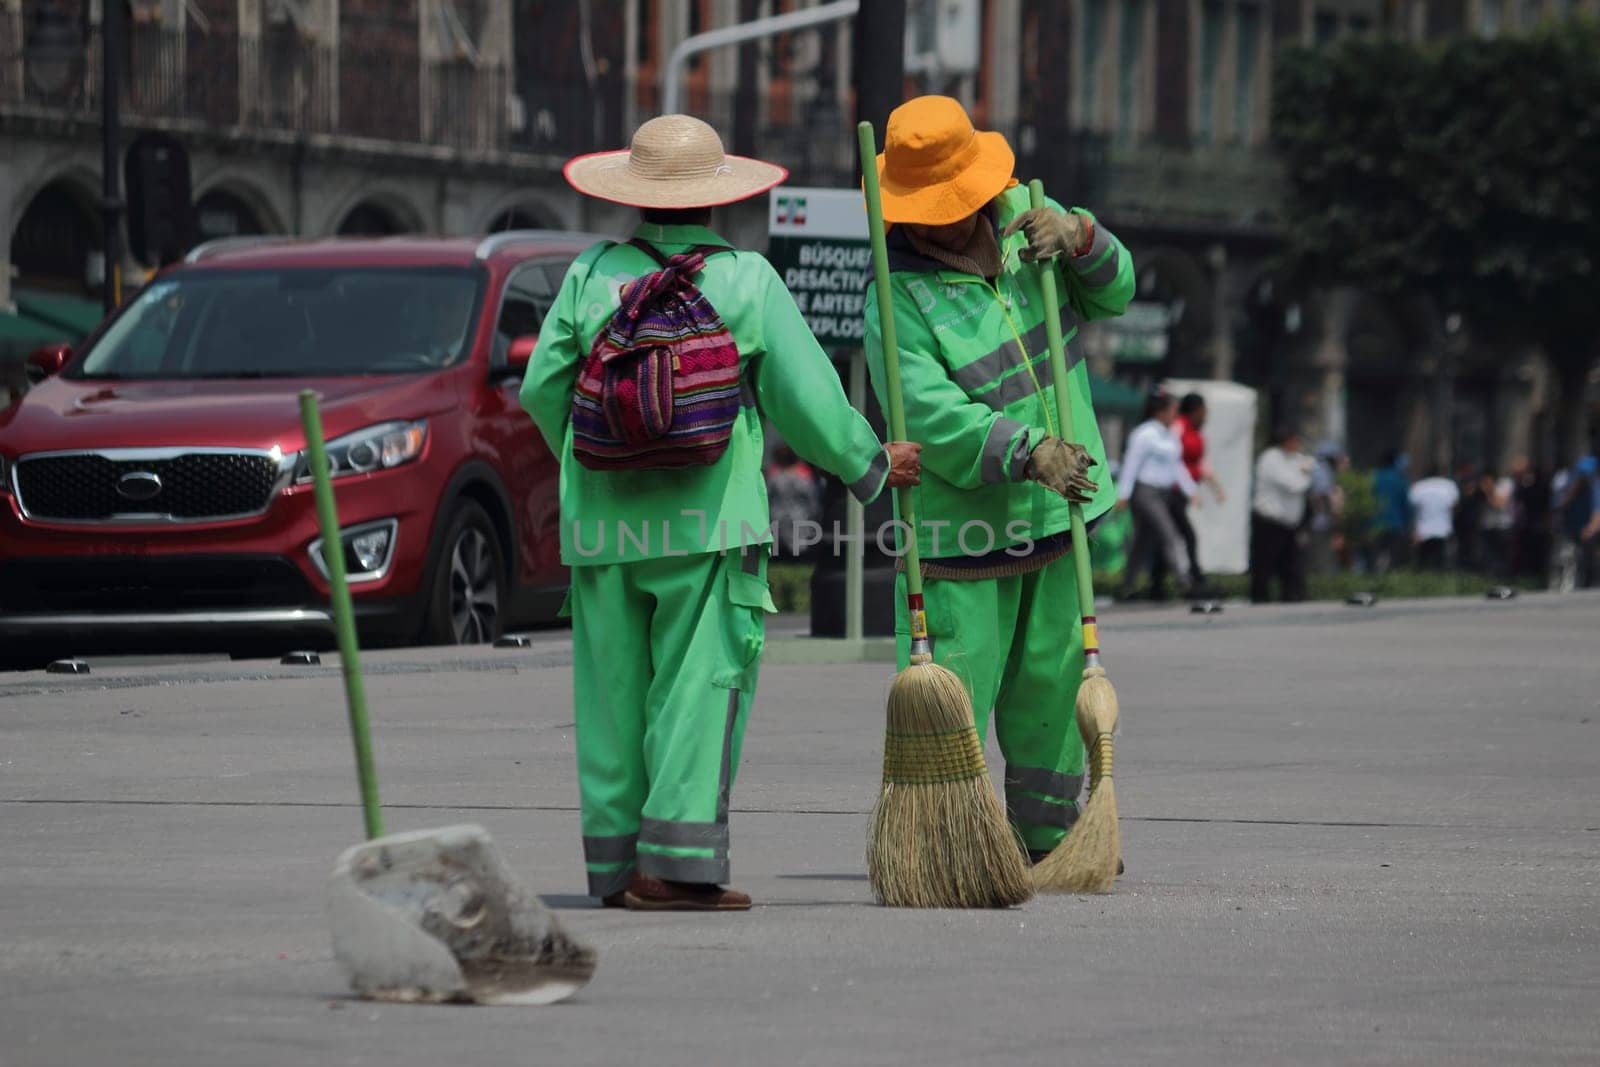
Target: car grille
112, 583
194, 486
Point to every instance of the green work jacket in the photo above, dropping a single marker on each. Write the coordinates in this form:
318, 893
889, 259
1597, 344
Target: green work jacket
624, 516
979, 395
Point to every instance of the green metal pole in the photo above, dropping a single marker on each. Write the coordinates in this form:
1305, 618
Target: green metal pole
343, 614
1058, 373
921, 649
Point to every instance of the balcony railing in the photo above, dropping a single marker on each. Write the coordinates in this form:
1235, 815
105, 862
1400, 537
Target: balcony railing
278, 82
271, 82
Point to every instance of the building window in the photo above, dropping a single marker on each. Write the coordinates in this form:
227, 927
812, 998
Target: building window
1491, 17
1091, 56
1130, 69
461, 25
1246, 50
1324, 28
1210, 59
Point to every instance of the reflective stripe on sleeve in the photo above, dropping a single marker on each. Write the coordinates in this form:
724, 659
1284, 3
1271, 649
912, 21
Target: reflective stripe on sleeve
998, 460
1098, 266
866, 487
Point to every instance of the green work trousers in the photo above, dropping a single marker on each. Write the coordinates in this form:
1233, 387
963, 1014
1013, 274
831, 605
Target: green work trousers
1017, 643
665, 657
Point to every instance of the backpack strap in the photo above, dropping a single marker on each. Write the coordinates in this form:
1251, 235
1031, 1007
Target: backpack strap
655, 253
649, 249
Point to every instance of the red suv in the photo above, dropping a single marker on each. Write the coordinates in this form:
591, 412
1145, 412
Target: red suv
153, 490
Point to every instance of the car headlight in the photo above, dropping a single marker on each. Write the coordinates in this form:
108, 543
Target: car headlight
375, 448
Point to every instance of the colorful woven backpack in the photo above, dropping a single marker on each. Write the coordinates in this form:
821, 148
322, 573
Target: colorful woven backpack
660, 387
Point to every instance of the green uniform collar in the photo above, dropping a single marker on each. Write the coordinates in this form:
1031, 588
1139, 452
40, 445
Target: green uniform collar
687, 236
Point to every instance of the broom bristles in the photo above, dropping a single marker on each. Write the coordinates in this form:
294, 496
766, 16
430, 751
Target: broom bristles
940, 838
1086, 862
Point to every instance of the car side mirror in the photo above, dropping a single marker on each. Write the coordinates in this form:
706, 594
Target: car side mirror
48, 361
520, 353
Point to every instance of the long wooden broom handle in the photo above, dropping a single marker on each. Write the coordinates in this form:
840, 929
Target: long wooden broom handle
1058, 372
868, 143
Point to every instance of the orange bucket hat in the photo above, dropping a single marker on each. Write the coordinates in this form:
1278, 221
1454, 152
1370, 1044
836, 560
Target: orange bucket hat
935, 167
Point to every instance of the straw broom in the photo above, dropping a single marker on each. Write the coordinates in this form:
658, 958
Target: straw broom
1087, 861
939, 838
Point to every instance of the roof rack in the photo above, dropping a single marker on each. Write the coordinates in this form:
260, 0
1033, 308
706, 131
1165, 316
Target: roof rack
207, 249
497, 241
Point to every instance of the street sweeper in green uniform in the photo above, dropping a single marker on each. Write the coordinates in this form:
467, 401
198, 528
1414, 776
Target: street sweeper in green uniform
992, 508
664, 516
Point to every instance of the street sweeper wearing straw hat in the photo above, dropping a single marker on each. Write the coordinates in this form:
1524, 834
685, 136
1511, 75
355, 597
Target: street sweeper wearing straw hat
664, 516
992, 509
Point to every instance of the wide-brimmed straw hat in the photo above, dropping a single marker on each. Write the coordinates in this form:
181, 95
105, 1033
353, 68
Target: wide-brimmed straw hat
935, 167
674, 162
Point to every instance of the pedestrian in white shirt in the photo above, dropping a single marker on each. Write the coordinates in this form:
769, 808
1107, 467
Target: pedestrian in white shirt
1152, 467
1283, 478
1433, 503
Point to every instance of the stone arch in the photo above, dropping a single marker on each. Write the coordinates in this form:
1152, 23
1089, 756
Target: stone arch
74, 167
518, 210
377, 212
55, 231
228, 204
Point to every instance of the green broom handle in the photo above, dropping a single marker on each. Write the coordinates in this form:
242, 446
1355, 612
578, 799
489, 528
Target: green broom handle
1058, 371
868, 144
343, 614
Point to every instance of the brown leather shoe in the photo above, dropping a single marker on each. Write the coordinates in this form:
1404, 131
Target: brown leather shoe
658, 894
614, 900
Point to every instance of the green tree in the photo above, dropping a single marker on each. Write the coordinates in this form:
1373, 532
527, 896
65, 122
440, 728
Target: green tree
1467, 173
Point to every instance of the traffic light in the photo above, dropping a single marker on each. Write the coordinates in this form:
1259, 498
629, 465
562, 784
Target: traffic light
161, 226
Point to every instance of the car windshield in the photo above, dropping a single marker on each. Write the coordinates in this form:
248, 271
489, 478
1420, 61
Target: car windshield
290, 323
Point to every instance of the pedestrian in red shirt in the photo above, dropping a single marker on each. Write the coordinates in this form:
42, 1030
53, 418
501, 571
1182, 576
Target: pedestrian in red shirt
1187, 428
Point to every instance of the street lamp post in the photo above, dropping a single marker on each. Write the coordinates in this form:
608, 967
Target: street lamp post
110, 146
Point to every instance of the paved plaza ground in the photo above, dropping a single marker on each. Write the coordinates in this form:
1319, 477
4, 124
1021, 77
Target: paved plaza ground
1353, 836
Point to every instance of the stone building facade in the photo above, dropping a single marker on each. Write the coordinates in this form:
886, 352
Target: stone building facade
322, 117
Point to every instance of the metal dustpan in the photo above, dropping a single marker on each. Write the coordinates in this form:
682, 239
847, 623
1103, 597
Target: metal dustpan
432, 915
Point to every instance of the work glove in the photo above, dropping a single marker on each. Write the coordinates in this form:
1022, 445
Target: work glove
1050, 233
1062, 467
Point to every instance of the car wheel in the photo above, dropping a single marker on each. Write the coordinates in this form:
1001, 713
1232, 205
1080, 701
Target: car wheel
469, 586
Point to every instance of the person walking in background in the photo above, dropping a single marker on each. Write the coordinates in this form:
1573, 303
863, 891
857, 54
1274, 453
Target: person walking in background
793, 497
1530, 520
1283, 479
1577, 527
1589, 538
1433, 503
1392, 526
1495, 523
1468, 518
1189, 429
1152, 471
1326, 503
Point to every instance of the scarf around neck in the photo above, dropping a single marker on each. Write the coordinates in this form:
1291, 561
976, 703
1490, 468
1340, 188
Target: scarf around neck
980, 255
